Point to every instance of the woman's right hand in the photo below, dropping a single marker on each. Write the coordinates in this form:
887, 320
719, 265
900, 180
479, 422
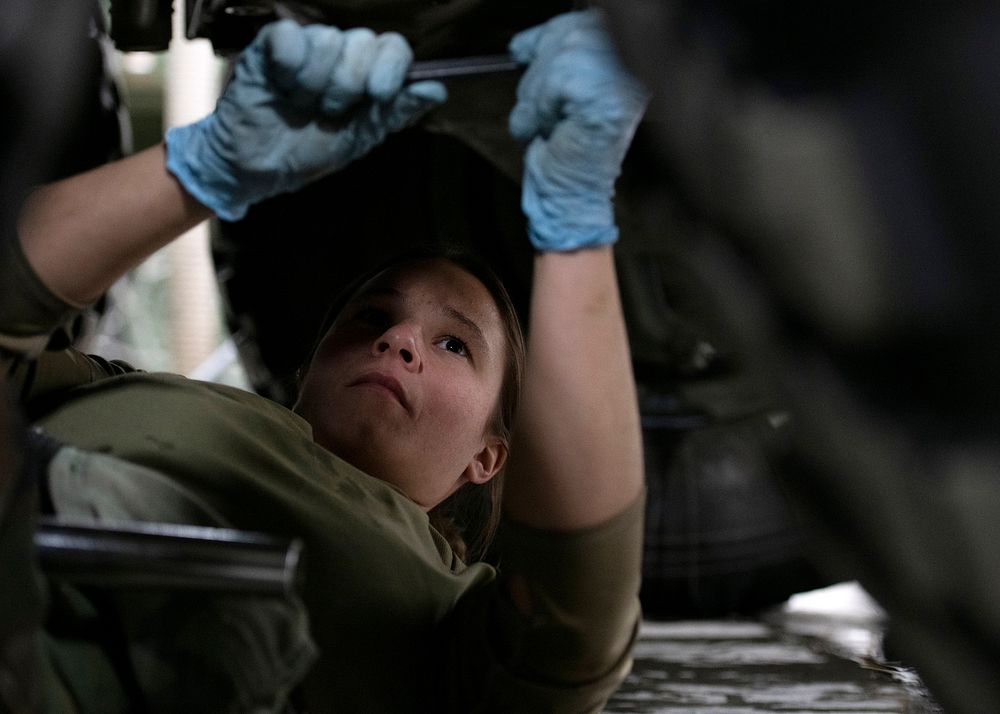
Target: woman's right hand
304, 101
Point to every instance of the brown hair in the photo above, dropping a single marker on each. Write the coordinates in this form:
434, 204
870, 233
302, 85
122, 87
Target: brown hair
469, 517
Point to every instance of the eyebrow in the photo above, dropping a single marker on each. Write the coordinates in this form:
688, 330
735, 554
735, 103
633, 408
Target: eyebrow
471, 325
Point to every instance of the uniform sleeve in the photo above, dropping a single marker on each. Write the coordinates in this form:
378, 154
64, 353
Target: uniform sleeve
34, 334
566, 645
29, 313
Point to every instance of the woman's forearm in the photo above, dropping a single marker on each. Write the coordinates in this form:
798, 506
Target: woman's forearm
82, 233
576, 459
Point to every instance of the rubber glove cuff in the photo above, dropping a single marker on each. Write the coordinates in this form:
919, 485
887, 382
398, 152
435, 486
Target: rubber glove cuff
207, 178
562, 220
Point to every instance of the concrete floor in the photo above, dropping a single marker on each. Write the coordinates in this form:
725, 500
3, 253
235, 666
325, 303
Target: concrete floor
819, 653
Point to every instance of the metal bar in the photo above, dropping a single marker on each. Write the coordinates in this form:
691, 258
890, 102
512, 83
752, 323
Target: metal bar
153, 555
462, 67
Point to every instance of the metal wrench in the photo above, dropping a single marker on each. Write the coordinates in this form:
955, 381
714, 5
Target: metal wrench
462, 67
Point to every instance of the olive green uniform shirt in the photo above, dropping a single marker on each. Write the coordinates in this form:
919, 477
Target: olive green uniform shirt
400, 622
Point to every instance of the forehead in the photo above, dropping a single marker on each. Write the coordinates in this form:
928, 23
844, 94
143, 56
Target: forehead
442, 286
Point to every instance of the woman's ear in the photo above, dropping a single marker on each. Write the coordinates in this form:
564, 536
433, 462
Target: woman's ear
487, 463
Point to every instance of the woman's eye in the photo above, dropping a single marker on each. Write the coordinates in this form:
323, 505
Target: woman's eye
453, 344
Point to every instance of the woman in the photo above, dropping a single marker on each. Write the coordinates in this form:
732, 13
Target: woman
483, 352
400, 408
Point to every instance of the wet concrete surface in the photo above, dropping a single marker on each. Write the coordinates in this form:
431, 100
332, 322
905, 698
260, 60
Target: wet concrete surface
794, 659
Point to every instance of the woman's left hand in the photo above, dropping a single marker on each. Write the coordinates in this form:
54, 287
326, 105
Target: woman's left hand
578, 108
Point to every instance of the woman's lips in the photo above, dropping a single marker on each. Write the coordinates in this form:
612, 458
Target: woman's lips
387, 382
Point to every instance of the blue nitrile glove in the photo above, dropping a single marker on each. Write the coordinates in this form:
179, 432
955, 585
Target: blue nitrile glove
304, 101
579, 108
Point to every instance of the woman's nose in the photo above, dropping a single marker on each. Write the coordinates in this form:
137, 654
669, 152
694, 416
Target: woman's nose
402, 340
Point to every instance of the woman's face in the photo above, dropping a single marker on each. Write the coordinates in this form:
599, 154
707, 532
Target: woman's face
404, 384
